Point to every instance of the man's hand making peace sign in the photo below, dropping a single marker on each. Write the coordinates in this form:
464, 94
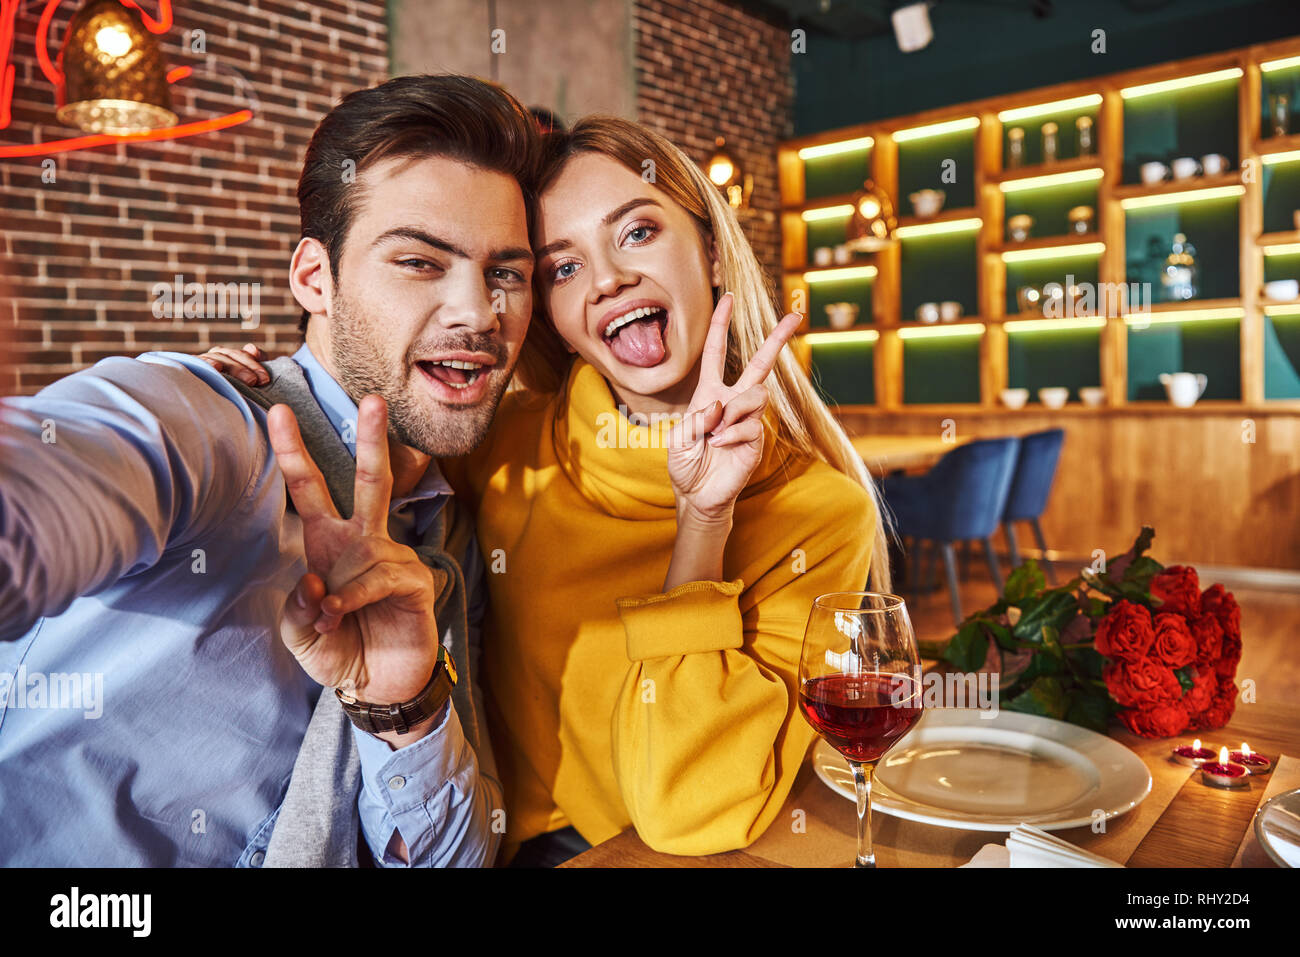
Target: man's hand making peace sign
362, 618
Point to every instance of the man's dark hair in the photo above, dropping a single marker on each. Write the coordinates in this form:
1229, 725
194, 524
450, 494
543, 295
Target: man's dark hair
457, 117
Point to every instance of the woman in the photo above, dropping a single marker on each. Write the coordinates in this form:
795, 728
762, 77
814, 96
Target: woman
656, 537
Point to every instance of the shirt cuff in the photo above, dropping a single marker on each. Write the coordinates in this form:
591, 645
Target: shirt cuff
693, 618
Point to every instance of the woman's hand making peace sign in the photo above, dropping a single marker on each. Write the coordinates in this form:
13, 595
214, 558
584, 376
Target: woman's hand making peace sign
716, 447
362, 618
713, 451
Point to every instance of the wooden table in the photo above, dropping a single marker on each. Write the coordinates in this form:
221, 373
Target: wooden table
1201, 827
885, 453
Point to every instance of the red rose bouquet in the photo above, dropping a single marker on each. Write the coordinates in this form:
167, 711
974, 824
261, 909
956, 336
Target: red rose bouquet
1135, 640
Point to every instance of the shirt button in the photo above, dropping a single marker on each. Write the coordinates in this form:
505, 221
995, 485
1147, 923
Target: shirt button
257, 858
397, 782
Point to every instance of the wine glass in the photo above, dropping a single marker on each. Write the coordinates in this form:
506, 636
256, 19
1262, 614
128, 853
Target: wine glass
860, 685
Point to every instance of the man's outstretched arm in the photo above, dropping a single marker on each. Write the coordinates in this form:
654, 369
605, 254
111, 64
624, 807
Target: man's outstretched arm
104, 470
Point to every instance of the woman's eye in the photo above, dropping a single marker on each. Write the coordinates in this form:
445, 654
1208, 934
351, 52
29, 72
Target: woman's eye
565, 270
641, 234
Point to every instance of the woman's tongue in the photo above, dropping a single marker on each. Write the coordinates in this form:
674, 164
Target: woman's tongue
640, 343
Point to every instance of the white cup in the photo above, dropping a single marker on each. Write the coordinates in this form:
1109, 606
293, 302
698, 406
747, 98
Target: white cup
1015, 398
823, 256
928, 312
1054, 397
1184, 388
1153, 173
1214, 164
1092, 395
1185, 167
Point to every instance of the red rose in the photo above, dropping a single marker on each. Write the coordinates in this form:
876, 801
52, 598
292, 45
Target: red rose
1209, 638
1220, 710
1230, 657
1180, 589
1162, 721
1218, 602
1174, 645
1125, 633
1199, 696
1142, 683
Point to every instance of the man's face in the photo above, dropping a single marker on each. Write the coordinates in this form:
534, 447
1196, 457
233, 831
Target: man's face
433, 298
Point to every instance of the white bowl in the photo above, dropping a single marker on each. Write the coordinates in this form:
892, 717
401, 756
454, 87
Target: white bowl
1015, 398
1282, 289
1093, 395
1054, 397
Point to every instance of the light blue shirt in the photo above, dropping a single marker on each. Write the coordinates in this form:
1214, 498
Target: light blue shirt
150, 714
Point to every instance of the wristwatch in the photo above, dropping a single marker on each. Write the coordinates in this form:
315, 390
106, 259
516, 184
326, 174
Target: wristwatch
378, 718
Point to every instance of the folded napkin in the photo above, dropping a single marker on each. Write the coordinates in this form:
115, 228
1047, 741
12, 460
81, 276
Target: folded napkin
1029, 846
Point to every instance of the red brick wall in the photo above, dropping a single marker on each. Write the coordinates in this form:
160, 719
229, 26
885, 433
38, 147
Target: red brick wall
81, 255
707, 68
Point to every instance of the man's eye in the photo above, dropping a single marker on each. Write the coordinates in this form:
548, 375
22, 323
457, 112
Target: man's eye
507, 275
414, 263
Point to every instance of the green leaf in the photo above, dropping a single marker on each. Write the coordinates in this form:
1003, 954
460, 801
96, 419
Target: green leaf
1002, 635
1046, 697
1024, 582
1142, 571
1054, 609
1088, 711
968, 648
1186, 677
1088, 661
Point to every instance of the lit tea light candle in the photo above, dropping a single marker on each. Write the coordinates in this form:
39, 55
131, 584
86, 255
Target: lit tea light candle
1223, 773
1252, 762
1193, 755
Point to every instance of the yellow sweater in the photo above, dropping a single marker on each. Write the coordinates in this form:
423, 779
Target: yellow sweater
612, 703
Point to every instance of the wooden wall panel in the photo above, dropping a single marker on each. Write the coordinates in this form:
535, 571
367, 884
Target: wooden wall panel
1212, 496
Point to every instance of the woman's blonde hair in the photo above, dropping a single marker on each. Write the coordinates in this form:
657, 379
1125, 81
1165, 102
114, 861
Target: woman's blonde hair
805, 427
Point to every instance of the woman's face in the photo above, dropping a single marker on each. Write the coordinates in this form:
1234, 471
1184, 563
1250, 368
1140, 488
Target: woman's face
627, 281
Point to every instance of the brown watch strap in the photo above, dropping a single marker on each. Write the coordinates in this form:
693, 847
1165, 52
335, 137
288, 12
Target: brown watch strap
380, 718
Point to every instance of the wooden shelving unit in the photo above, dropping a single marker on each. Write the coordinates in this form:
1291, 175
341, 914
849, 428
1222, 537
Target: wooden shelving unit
995, 187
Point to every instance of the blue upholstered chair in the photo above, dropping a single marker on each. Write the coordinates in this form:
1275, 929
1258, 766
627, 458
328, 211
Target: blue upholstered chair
961, 498
1035, 471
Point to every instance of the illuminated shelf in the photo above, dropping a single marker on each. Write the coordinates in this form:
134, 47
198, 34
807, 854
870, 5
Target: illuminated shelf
1074, 168
1090, 243
1278, 148
1190, 186
821, 202
845, 272
857, 333
1279, 244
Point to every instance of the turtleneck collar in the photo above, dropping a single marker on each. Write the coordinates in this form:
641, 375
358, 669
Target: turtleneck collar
619, 465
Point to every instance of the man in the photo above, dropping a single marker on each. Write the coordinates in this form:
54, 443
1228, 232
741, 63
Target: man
149, 544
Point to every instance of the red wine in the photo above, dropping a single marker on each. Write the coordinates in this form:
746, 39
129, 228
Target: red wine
861, 715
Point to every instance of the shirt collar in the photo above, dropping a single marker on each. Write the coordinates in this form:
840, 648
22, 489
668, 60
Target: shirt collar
342, 413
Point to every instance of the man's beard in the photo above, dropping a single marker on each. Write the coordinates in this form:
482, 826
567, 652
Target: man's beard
365, 368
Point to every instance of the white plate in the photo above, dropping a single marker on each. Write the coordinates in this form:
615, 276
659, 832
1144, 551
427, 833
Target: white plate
1277, 827
957, 769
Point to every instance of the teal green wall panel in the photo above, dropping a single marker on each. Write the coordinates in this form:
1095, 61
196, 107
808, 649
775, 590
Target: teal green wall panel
844, 372
1044, 358
846, 290
1211, 346
942, 369
938, 268
1282, 357
1210, 226
832, 175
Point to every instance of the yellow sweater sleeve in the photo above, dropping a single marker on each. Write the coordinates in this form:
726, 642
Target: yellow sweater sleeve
707, 740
